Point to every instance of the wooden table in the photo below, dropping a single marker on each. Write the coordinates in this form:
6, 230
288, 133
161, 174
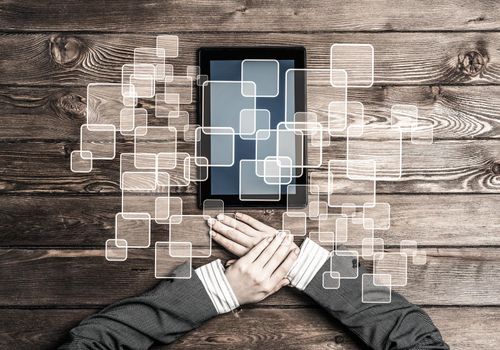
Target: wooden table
442, 56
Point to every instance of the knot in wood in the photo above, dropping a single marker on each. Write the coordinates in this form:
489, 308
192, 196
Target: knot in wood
66, 50
339, 339
72, 105
496, 168
471, 63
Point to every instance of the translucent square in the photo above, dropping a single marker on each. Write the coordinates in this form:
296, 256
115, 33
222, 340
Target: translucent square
213, 207
169, 44
169, 256
221, 139
331, 280
295, 223
133, 178
327, 227
357, 60
81, 161
164, 109
116, 250
264, 73
372, 246
140, 119
194, 229
138, 80
134, 228
105, 102
253, 120
420, 258
99, 140
196, 169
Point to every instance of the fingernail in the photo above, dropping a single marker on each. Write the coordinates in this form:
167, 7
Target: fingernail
269, 239
213, 233
281, 234
220, 217
211, 221
237, 215
296, 251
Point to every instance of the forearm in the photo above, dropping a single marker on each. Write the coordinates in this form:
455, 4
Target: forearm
395, 325
163, 314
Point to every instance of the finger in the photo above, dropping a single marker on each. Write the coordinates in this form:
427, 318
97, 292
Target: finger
231, 233
279, 285
279, 255
233, 247
256, 251
256, 224
239, 225
230, 262
268, 253
285, 266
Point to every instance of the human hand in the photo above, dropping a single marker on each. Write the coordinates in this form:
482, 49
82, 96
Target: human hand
240, 234
262, 271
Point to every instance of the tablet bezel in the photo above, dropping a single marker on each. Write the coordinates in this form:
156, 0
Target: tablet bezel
296, 53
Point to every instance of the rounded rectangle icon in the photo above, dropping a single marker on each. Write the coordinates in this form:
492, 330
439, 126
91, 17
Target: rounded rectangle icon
295, 194
174, 209
138, 80
116, 250
168, 257
154, 140
264, 73
346, 263
134, 228
372, 247
222, 102
331, 280
182, 87
169, 44
215, 144
327, 227
98, 139
213, 207
81, 161
420, 258
194, 229
357, 60
167, 106
376, 294
294, 223
253, 187
140, 119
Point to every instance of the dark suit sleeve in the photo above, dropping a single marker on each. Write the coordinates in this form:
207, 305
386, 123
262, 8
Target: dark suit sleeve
163, 314
396, 325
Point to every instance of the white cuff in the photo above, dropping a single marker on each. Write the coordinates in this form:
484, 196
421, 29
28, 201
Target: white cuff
217, 286
311, 257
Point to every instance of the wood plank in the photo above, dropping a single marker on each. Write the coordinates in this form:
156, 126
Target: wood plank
467, 276
271, 328
457, 112
231, 15
451, 166
400, 58
88, 221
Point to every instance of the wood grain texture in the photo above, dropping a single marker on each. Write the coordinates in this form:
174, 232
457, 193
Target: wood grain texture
400, 58
254, 329
70, 221
83, 277
456, 112
452, 166
232, 15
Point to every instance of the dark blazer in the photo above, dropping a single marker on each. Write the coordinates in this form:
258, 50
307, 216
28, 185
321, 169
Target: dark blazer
175, 307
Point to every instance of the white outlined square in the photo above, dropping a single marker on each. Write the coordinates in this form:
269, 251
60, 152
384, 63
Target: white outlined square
81, 161
116, 250
99, 140
264, 73
357, 60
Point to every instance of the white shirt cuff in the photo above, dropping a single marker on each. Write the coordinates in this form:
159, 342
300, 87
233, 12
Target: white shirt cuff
311, 257
217, 286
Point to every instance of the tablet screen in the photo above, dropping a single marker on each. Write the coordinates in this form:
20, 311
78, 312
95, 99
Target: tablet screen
225, 180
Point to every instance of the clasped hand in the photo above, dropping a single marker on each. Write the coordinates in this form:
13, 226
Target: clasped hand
266, 256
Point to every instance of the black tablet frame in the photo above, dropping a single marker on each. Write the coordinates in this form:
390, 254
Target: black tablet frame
296, 53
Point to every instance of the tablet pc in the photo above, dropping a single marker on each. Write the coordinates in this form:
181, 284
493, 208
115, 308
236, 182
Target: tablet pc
253, 161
